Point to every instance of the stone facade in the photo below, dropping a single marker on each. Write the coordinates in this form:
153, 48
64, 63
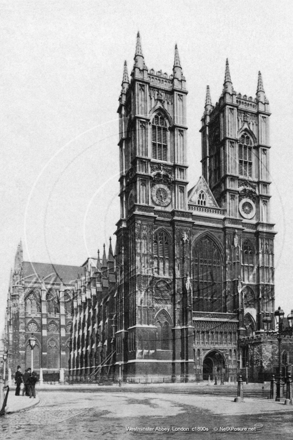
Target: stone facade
192, 275
194, 270
40, 302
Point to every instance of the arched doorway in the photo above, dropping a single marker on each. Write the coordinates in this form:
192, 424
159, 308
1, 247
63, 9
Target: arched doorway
214, 366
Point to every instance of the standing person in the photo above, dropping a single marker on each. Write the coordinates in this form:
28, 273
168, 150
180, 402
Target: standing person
26, 379
32, 381
18, 380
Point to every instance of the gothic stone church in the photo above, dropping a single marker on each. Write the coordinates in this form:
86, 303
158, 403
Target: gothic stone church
192, 275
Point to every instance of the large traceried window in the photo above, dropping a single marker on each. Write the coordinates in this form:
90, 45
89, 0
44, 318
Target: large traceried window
245, 156
159, 138
248, 256
207, 273
161, 252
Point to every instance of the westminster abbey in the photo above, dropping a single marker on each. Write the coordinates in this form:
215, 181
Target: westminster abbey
189, 289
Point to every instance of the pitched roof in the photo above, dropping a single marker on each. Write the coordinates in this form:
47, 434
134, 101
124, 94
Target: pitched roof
202, 186
51, 272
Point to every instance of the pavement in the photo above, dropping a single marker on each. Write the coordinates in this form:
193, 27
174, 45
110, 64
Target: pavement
20, 403
222, 403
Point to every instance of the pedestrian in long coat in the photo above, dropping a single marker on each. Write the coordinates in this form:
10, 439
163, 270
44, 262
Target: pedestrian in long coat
18, 380
26, 379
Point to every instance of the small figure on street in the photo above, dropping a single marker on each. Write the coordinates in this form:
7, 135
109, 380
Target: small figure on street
18, 380
26, 379
33, 379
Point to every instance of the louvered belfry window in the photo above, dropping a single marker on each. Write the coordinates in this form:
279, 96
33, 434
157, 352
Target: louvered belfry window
245, 156
159, 138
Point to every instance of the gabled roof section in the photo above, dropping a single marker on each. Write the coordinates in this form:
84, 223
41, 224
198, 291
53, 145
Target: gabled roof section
201, 195
51, 272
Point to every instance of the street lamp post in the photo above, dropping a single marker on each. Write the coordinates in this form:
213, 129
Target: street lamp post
279, 315
32, 343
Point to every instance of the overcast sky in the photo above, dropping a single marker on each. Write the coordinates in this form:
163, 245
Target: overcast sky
60, 78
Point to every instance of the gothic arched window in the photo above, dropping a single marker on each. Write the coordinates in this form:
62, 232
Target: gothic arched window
207, 276
161, 253
53, 359
52, 303
159, 138
249, 325
68, 303
201, 198
248, 256
32, 304
245, 155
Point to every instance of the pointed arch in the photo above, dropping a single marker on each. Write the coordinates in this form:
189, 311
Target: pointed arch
207, 273
165, 314
68, 302
32, 302
249, 133
53, 327
160, 136
249, 324
52, 302
209, 235
159, 108
53, 358
245, 153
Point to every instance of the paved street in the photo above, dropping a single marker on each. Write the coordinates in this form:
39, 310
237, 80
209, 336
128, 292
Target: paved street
126, 415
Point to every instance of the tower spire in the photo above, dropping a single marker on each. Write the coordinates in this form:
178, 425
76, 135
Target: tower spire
260, 91
227, 73
110, 255
104, 260
227, 80
125, 78
98, 260
260, 87
177, 69
208, 102
138, 56
138, 49
176, 57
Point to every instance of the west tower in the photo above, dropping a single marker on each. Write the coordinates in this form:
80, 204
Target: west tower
235, 163
153, 201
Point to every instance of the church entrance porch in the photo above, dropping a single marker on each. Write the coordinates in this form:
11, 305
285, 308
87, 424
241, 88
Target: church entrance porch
214, 367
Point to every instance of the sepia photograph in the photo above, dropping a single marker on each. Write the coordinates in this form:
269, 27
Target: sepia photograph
146, 219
